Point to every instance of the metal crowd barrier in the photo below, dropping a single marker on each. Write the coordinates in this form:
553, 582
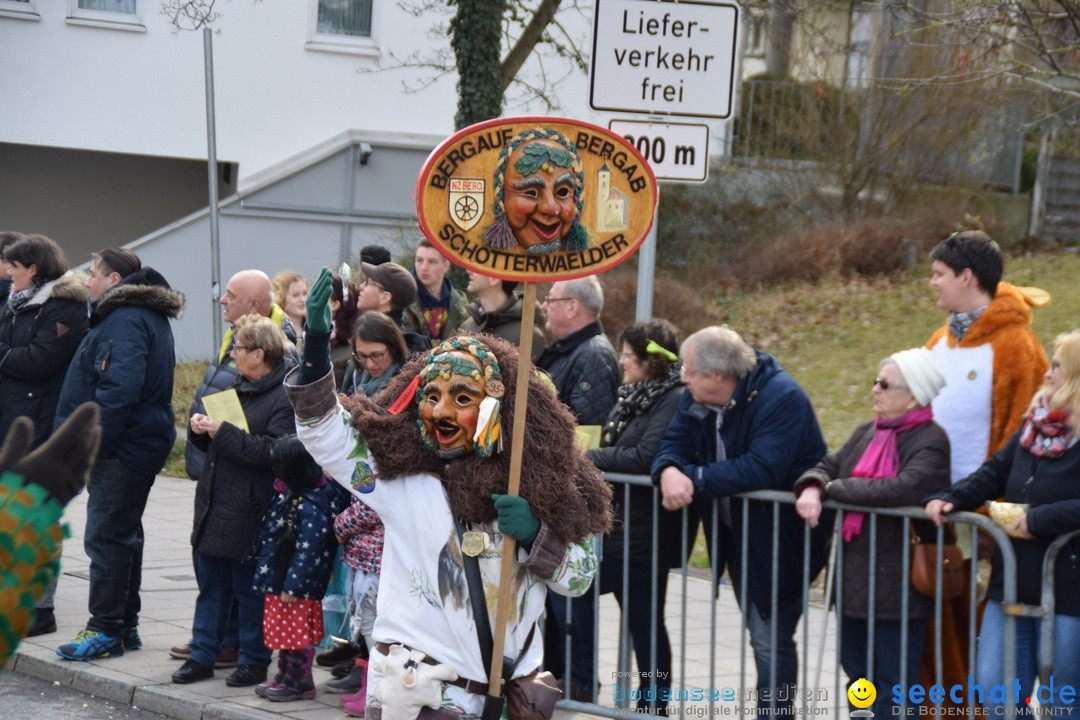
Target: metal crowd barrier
810, 695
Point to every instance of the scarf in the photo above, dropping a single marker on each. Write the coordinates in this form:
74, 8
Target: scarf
434, 311
17, 299
960, 323
1046, 433
371, 385
881, 458
635, 399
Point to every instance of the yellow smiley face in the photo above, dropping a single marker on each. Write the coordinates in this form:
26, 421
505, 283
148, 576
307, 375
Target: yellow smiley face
862, 693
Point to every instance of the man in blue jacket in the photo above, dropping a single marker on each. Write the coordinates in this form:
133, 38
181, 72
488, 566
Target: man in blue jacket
125, 364
746, 425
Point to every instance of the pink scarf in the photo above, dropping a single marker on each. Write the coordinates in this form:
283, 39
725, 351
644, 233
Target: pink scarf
881, 459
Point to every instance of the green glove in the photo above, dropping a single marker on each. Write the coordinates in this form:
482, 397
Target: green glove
60, 465
318, 304
516, 518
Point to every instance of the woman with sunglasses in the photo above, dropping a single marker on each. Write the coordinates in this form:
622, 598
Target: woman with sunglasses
379, 351
1039, 468
897, 459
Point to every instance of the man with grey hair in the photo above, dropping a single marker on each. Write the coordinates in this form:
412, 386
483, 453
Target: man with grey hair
583, 365
582, 362
745, 424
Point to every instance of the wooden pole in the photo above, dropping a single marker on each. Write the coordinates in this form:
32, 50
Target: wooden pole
517, 443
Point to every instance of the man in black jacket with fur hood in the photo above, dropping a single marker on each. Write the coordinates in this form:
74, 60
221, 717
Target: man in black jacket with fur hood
125, 364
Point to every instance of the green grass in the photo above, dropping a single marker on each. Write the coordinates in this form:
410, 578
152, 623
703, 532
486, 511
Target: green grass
831, 335
186, 381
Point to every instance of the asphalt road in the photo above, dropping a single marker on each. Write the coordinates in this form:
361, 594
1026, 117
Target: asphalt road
23, 697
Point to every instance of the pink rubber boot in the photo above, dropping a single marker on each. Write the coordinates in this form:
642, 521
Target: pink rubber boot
356, 703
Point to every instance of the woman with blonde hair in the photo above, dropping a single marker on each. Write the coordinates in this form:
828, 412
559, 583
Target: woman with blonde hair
290, 292
1038, 471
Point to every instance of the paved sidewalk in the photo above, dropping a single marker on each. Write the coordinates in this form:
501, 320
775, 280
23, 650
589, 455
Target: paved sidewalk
142, 678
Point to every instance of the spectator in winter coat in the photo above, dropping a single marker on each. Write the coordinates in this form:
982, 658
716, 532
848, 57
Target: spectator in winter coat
745, 424
233, 492
125, 364
497, 311
41, 324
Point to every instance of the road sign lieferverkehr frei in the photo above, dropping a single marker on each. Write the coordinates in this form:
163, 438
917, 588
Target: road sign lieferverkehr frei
664, 58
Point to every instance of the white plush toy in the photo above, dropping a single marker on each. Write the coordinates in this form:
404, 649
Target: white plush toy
409, 683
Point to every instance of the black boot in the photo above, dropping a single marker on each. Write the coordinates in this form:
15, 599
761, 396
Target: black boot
44, 622
274, 684
297, 683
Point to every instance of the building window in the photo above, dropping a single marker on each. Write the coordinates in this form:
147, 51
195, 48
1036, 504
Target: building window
19, 9
345, 17
757, 36
113, 14
113, 6
342, 26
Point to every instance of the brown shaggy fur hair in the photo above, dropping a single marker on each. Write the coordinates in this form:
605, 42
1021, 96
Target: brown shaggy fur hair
564, 489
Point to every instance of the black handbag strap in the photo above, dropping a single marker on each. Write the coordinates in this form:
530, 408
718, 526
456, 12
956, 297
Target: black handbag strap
480, 613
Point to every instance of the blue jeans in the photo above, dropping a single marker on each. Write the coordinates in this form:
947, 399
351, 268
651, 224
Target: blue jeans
641, 614
887, 635
220, 583
114, 543
990, 663
781, 696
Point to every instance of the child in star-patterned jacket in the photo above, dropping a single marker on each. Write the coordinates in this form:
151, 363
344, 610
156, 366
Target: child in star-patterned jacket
360, 533
296, 549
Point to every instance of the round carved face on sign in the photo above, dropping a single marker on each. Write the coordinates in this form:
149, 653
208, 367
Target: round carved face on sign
537, 199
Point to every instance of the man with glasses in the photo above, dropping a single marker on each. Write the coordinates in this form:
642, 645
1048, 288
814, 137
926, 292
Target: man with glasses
585, 369
389, 288
993, 364
745, 424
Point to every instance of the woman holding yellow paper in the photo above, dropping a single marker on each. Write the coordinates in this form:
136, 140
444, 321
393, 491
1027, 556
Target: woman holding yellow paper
233, 492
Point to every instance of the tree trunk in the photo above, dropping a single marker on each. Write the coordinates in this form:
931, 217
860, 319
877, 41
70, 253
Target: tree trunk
476, 37
781, 25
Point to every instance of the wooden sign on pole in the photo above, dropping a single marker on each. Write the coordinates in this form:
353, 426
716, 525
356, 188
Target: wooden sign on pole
533, 199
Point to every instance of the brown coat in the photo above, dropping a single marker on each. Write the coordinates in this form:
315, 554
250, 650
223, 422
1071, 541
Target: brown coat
924, 470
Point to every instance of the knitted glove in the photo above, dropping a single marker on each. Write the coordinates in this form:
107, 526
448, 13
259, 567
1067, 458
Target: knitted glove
61, 464
316, 360
516, 518
318, 304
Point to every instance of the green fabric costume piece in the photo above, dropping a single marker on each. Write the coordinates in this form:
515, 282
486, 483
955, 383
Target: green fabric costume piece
30, 535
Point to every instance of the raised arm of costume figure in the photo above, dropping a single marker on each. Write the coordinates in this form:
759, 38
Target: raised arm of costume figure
315, 361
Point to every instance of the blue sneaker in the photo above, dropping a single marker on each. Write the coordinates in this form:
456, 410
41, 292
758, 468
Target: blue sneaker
132, 641
91, 645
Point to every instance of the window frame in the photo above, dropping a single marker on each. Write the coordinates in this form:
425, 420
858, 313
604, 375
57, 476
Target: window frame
19, 10
131, 22
346, 44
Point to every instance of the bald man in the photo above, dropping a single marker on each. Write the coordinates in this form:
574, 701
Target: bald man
248, 292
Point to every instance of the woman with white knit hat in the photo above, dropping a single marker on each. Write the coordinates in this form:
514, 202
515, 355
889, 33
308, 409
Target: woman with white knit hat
897, 459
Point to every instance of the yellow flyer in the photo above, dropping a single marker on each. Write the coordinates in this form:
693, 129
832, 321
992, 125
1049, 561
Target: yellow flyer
225, 406
588, 436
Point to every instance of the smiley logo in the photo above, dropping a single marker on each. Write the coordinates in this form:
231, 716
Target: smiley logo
862, 693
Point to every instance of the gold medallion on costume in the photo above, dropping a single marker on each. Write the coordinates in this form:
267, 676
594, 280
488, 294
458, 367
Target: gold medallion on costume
474, 542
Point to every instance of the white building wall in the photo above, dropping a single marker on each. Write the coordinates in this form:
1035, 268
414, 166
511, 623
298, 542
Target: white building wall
142, 92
